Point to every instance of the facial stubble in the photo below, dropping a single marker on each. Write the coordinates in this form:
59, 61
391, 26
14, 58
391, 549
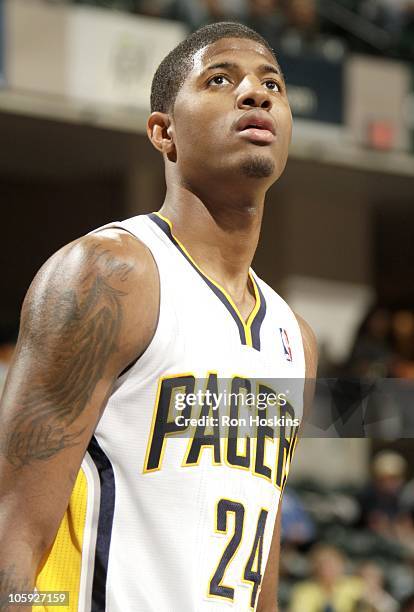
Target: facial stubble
258, 166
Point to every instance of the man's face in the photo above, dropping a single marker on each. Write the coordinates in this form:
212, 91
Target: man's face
231, 117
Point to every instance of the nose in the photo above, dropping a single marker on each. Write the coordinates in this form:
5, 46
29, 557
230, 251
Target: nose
254, 95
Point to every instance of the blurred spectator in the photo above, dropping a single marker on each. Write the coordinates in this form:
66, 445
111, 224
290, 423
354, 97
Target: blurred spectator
384, 345
153, 8
374, 597
297, 526
407, 499
193, 14
196, 14
8, 336
371, 354
405, 524
302, 26
389, 14
330, 590
303, 16
403, 344
150, 8
380, 501
268, 18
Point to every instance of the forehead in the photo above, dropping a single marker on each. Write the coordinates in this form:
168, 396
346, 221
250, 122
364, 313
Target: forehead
244, 49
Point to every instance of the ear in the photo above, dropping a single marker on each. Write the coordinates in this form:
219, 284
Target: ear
161, 133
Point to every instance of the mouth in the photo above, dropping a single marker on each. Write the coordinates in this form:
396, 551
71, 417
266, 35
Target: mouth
256, 127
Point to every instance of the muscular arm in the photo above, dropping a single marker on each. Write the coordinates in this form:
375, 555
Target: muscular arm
89, 312
268, 595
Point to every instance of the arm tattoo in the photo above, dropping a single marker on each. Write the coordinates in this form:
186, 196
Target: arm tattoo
10, 583
84, 324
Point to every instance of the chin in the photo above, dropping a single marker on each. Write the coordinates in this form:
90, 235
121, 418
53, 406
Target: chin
258, 166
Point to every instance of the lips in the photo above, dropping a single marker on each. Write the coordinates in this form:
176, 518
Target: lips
256, 126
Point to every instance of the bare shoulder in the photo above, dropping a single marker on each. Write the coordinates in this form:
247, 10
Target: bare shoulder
310, 346
104, 282
111, 253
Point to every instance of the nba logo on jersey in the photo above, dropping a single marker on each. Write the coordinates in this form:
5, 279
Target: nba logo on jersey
287, 351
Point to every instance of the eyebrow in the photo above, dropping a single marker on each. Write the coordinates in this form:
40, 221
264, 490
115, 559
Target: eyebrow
263, 69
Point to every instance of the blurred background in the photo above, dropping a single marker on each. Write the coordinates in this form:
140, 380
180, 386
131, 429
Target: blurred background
337, 238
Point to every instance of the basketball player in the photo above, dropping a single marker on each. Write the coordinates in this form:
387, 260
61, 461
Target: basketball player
103, 494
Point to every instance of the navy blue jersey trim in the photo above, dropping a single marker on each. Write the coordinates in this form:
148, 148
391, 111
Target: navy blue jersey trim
258, 320
131, 365
166, 229
105, 521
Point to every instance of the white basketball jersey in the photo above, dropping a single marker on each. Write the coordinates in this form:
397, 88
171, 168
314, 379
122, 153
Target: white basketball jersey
176, 514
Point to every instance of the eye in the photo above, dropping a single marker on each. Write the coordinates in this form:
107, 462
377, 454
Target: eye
218, 79
272, 85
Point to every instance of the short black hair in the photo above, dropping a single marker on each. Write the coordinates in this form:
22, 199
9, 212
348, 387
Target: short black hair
174, 68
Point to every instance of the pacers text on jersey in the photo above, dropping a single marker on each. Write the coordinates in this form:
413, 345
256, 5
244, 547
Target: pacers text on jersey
237, 433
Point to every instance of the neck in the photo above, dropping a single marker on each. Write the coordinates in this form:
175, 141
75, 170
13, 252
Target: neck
219, 230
